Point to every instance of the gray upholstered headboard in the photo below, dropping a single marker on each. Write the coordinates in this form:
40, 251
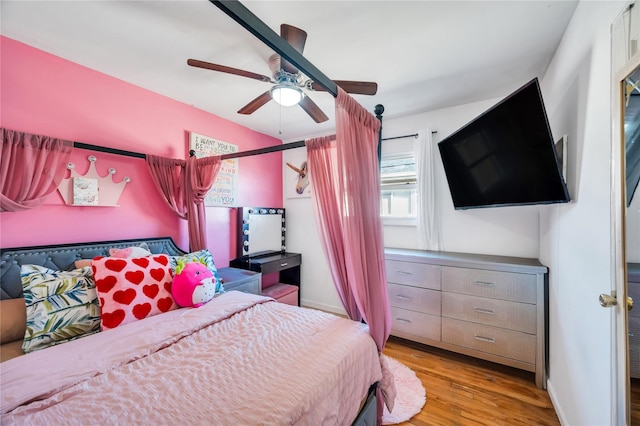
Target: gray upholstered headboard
61, 257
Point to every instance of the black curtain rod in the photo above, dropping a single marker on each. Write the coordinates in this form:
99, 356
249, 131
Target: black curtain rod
276, 148
415, 135
266, 150
108, 150
258, 151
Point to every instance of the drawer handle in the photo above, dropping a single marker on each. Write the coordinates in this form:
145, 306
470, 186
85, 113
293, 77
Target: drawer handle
284, 264
484, 311
403, 320
485, 283
401, 297
403, 273
484, 339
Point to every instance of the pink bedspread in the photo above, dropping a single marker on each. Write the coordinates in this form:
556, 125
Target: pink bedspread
238, 360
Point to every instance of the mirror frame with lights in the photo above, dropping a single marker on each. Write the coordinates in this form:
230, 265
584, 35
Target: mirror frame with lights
261, 231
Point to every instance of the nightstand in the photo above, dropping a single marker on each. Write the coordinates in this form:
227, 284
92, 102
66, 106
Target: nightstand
287, 290
241, 280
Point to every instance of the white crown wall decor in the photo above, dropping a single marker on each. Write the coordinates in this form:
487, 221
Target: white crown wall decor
91, 189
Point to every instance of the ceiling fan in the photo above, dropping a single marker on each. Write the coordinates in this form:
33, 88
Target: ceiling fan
287, 80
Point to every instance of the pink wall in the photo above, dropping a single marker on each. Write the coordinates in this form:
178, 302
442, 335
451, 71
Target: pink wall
44, 94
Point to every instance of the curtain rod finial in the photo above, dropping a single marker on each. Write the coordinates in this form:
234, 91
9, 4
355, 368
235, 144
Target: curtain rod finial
192, 153
378, 110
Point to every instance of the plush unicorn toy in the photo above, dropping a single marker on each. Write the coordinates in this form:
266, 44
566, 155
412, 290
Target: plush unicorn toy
193, 284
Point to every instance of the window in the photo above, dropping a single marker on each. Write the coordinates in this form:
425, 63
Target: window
398, 197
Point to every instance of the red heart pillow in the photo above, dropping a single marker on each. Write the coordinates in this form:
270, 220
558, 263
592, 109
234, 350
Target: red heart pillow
132, 289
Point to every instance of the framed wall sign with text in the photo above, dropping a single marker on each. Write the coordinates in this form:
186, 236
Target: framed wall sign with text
224, 191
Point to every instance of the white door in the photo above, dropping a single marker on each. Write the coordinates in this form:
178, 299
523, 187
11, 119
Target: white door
625, 64
617, 300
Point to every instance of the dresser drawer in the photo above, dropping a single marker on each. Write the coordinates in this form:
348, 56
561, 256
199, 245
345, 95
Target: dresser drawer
414, 323
494, 284
414, 298
634, 293
497, 341
413, 274
279, 262
634, 346
500, 313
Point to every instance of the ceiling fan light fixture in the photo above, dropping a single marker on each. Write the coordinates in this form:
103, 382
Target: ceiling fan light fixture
286, 95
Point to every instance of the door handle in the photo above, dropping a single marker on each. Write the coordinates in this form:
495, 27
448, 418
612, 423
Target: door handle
401, 297
607, 301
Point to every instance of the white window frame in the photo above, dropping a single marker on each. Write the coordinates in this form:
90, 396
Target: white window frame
396, 220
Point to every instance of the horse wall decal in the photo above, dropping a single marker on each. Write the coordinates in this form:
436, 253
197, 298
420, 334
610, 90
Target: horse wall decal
303, 176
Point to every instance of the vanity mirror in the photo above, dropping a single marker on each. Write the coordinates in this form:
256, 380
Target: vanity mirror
262, 230
261, 248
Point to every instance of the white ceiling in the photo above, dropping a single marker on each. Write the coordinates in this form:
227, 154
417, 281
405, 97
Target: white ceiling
424, 55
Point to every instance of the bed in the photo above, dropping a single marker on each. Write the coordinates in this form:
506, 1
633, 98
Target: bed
240, 359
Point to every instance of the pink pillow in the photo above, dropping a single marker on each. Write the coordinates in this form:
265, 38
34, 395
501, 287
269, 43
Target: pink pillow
81, 263
129, 252
132, 289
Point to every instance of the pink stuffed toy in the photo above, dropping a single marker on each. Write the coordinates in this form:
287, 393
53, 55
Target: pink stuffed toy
193, 285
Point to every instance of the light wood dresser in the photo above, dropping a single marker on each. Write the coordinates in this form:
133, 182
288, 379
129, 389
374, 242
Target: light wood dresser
489, 307
633, 289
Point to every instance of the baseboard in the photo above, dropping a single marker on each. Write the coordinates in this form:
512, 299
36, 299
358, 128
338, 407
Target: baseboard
556, 405
338, 310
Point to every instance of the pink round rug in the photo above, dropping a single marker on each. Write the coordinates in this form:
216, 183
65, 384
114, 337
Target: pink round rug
410, 394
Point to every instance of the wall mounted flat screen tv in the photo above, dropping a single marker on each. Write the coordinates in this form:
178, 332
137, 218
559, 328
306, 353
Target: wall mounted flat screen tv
506, 156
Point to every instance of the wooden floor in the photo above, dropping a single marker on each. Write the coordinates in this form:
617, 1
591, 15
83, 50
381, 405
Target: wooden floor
466, 391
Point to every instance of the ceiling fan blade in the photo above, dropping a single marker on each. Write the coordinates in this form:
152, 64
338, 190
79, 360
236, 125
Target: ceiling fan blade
357, 87
252, 106
228, 70
312, 109
296, 38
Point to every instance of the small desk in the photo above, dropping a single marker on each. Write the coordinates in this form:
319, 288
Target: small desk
285, 263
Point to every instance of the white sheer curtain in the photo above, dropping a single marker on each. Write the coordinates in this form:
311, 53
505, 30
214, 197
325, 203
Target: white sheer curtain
428, 221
